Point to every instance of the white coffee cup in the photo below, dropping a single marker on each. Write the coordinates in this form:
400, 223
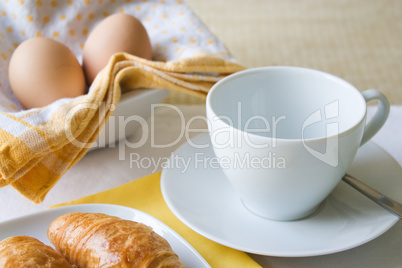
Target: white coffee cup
285, 136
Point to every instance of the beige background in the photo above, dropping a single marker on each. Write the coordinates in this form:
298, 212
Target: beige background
359, 41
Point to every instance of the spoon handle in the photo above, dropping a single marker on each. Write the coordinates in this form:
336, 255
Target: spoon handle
382, 200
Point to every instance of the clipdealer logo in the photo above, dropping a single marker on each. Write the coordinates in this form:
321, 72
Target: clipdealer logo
331, 111
270, 160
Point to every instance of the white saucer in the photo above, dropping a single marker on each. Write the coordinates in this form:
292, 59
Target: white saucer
200, 196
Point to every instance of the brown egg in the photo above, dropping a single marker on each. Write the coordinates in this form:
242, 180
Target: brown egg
117, 33
42, 71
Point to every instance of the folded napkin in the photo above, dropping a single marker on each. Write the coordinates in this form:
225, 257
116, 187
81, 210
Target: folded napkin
38, 146
145, 194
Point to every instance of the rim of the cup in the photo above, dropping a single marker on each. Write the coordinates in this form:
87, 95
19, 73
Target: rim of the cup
216, 86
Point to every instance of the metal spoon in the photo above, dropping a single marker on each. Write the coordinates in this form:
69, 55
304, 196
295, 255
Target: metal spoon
382, 200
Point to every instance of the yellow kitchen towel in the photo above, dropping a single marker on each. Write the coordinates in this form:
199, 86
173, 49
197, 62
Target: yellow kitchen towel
145, 194
38, 146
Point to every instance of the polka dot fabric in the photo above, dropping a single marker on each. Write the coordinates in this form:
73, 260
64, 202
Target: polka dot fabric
36, 146
174, 30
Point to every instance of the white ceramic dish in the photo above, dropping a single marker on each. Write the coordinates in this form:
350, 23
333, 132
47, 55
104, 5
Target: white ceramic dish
201, 197
36, 225
136, 103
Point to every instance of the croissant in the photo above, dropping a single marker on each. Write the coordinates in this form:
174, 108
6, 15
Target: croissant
27, 252
99, 240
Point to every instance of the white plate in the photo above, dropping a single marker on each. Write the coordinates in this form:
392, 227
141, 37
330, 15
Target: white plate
199, 195
36, 225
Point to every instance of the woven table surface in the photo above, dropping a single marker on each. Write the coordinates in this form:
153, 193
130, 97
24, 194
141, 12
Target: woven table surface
359, 41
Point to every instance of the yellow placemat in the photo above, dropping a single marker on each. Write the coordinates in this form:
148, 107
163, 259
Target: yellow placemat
145, 194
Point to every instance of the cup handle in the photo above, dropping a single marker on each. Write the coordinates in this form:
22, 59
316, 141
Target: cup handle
379, 118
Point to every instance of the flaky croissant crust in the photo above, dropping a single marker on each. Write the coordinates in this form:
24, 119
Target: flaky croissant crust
99, 240
28, 252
